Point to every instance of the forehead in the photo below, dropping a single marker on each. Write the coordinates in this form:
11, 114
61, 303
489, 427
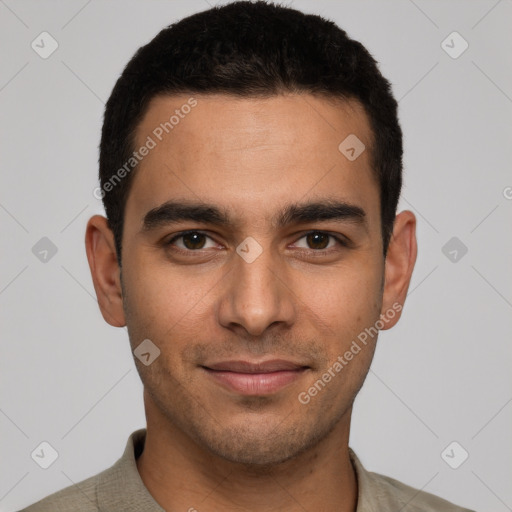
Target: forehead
252, 155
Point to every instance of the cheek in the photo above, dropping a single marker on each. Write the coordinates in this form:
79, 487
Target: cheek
162, 300
343, 302
344, 311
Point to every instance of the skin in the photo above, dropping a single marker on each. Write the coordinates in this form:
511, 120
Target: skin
207, 447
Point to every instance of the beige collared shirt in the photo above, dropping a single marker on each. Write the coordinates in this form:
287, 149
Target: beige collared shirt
120, 489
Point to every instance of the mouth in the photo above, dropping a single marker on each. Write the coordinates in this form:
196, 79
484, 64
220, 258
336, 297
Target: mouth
262, 378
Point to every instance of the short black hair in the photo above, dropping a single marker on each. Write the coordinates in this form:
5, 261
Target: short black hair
249, 49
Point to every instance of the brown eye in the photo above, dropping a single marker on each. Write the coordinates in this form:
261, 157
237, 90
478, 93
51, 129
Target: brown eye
317, 240
190, 241
194, 241
321, 242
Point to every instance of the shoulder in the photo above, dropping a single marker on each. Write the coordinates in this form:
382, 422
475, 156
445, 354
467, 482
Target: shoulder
80, 496
113, 488
118, 487
410, 498
380, 493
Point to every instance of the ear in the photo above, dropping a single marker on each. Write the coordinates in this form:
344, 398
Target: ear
400, 260
105, 271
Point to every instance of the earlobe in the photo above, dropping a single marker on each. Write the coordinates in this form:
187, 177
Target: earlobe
105, 272
399, 265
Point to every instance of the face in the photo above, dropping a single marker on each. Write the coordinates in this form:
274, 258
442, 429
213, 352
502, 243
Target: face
252, 258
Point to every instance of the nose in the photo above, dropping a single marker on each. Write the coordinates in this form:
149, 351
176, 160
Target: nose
257, 295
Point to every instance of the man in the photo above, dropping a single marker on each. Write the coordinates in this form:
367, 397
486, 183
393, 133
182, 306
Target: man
250, 168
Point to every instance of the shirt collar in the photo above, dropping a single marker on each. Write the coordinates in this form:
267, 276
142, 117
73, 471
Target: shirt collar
365, 486
120, 488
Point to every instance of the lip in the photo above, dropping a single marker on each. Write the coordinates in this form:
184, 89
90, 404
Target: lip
239, 366
249, 378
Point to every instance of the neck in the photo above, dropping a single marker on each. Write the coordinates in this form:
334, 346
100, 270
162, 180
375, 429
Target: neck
181, 475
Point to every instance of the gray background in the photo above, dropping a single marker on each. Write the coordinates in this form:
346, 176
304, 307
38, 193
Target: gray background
442, 374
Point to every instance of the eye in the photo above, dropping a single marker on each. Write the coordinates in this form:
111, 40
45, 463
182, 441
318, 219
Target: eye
320, 241
191, 241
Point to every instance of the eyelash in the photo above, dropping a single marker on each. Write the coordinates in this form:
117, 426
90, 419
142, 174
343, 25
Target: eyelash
341, 241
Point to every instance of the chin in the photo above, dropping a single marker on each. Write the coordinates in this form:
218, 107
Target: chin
260, 448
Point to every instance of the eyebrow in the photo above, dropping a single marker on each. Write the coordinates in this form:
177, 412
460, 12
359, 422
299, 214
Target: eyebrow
172, 212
